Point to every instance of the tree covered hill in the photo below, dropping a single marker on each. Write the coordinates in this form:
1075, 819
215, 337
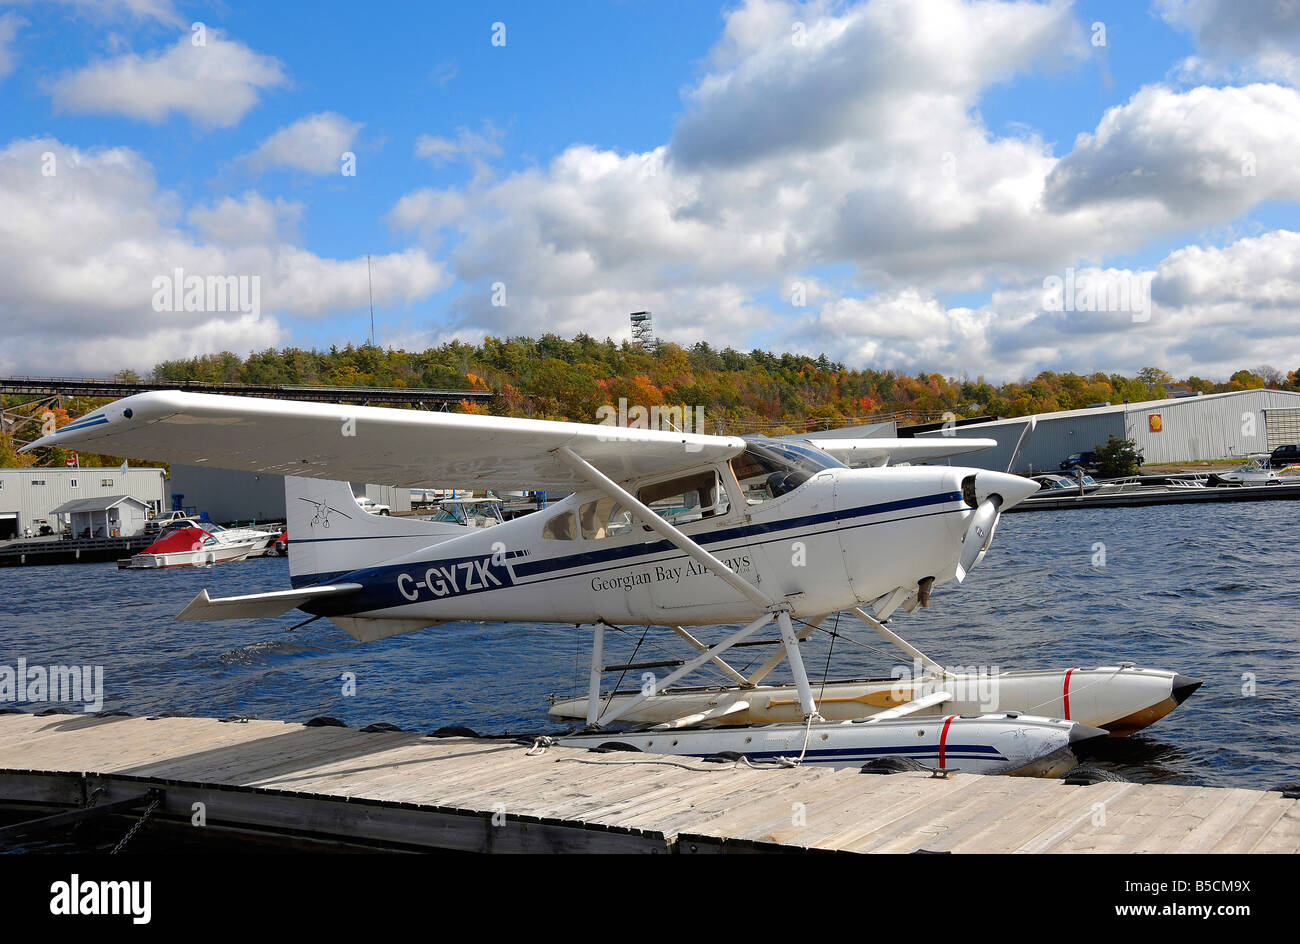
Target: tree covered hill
741, 392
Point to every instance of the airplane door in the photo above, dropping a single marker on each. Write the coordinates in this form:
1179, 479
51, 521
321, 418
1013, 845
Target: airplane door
809, 561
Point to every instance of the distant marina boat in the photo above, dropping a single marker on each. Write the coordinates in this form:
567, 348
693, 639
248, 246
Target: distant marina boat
1254, 471
469, 512
187, 543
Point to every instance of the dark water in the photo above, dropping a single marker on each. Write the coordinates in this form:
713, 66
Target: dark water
1206, 590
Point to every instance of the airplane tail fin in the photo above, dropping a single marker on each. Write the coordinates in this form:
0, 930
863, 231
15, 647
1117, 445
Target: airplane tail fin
330, 535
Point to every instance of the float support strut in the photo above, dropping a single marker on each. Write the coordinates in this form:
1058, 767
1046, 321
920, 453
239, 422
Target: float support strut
597, 663
688, 667
791, 642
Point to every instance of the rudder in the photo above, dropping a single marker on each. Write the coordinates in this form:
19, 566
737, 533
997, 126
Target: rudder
330, 534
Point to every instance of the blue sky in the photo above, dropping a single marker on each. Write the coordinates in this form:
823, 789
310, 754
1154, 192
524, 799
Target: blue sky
681, 156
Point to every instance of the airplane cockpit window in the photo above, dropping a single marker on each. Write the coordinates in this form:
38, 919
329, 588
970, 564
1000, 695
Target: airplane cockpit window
561, 528
685, 499
770, 468
604, 518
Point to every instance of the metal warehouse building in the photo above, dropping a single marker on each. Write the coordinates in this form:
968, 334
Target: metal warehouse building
28, 497
229, 496
1183, 429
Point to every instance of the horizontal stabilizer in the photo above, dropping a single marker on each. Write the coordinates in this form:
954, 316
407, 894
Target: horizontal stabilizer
259, 605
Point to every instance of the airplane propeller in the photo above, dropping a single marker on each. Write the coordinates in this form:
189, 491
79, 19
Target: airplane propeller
978, 535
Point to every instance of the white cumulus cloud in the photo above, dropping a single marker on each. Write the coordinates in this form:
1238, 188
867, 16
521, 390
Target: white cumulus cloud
80, 251
213, 85
314, 144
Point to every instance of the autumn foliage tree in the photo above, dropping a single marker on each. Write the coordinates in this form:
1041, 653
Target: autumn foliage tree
758, 391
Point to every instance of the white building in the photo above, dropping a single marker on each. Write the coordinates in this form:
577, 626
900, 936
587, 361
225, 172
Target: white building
112, 516
28, 496
1183, 429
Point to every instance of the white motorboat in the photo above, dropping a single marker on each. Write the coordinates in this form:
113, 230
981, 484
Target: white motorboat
1004, 743
189, 547
263, 540
1254, 471
469, 512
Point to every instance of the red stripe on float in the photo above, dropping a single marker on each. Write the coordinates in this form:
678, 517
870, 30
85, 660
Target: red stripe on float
943, 739
1065, 694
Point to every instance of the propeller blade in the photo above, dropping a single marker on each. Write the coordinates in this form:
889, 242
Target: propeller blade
987, 541
978, 534
1024, 434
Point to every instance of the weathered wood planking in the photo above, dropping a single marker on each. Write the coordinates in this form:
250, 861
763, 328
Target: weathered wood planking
389, 788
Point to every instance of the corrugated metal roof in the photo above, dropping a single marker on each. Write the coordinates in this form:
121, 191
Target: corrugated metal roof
1135, 406
102, 503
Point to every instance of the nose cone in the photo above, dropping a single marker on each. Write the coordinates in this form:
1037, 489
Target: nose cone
1082, 733
1013, 488
1184, 686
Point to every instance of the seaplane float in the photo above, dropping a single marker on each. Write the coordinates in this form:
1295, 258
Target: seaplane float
658, 528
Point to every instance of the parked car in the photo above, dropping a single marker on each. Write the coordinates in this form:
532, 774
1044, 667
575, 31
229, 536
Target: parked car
1284, 455
373, 507
1080, 460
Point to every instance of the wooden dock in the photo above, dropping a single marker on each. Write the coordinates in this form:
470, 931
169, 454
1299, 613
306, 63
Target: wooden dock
1155, 495
407, 791
36, 552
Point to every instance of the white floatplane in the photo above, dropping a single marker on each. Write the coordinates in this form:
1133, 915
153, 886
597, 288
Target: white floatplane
666, 528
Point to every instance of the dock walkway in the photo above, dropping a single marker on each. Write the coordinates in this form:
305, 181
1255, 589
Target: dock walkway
1155, 495
405, 790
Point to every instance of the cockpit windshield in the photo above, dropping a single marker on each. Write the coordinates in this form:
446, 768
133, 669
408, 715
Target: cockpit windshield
769, 468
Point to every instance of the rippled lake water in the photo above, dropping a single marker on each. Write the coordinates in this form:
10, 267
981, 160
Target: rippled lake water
1206, 590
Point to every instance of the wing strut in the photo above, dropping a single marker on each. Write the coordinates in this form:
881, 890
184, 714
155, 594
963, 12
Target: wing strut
762, 601
665, 530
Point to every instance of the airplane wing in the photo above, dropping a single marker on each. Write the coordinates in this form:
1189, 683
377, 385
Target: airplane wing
376, 444
875, 452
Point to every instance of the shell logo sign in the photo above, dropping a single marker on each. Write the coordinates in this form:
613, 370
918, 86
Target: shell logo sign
1155, 423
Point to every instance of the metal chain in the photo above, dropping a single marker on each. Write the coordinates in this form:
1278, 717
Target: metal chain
148, 811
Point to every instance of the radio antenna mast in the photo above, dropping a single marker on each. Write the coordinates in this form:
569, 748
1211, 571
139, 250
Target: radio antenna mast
370, 283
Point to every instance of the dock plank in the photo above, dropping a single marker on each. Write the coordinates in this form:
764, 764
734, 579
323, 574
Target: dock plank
1041, 813
1246, 834
1115, 824
1213, 828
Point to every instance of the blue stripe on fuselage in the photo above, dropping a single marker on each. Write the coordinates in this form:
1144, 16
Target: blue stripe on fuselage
381, 588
